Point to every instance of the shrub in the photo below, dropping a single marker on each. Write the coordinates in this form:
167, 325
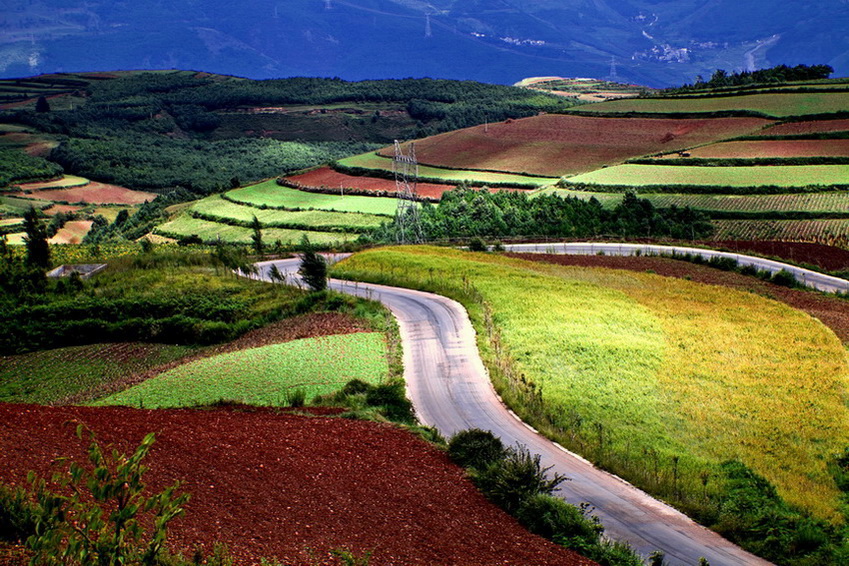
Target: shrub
313, 267
511, 481
475, 448
296, 398
785, 279
392, 399
17, 521
558, 521
477, 245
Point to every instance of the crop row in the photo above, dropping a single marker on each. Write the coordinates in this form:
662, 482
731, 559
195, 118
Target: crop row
827, 231
272, 195
185, 226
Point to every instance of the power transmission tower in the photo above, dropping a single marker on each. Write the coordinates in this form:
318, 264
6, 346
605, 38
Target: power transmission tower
613, 75
428, 32
406, 170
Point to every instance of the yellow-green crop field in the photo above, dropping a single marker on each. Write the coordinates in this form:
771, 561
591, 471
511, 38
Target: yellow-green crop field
773, 175
653, 369
779, 105
264, 375
440, 175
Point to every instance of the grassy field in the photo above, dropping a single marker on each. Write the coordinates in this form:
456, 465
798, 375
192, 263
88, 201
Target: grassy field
556, 145
437, 174
779, 175
779, 105
271, 194
636, 370
15, 206
184, 226
265, 375
215, 207
51, 376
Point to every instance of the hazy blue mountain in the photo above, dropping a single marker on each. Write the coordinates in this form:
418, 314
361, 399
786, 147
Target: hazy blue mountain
654, 42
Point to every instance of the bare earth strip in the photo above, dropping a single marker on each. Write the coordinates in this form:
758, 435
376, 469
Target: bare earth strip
326, 177
94, 193
772, 148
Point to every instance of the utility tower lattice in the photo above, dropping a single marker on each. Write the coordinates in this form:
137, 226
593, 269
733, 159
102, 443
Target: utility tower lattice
613, 75
406, 170
428, 31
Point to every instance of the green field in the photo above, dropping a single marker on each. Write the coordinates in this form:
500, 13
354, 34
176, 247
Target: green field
185, 226
636, 370
216, 208
832, 202
778, 175
778, 105
51, 376
440, 175
271, 194
265, 375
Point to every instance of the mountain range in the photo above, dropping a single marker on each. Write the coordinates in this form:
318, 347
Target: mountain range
651, 42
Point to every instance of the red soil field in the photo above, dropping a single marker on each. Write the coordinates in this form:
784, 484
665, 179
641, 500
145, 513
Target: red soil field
772, 148
93, 193
72, 232
554, 145
291, 487
327, 177
829, 258
830, 310
57, 208
800, 128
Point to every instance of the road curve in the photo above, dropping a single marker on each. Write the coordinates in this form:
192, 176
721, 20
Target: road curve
450, 389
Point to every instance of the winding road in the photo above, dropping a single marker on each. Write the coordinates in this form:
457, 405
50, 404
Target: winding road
451, 390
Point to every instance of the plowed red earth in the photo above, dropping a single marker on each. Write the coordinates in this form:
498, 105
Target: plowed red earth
556, 145
327, 177
831, 311
801, 128
772, 148
825, 257
94, 193
292, 488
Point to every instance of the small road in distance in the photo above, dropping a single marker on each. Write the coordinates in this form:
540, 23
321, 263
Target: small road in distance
451, 391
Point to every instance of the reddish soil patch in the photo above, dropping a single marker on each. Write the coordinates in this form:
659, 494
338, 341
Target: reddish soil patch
292, 488
773, 148
554, 145
57, 208
825, 257
72, 232
94, 193
830, 310
801, 128
295, 328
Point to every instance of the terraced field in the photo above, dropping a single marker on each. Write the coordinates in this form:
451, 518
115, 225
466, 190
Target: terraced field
271, 194
556, 145
806, 128
185, 226
217, 209
327, 178
828, 231
267, 375
777, 105
448, 176
771, 148
633, 175
92, 193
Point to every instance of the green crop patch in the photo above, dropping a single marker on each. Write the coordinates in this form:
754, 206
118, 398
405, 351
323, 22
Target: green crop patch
266, 375
633, 175
53, 376
270, 194
639, 371
185, 226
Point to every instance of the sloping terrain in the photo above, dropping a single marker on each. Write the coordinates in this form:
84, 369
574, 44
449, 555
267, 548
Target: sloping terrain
302, 487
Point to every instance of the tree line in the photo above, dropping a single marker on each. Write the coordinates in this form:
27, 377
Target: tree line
774, 75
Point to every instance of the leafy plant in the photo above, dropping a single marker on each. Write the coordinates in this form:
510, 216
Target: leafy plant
512, 480
96, 515
475, 448
313, 267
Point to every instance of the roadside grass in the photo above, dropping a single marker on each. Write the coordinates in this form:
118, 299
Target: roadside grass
270, 194
779, 105
184, 226
215, 208
51, 376
777, 175
437, 174
268, 375
659, 380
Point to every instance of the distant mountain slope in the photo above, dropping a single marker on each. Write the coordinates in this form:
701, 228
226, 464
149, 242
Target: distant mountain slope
653, 42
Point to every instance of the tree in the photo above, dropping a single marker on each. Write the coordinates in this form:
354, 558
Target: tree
313, 269
256, 238
41, 105
38, 250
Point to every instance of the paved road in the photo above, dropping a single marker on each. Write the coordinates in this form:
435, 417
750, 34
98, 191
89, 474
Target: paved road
807, 277
450, 390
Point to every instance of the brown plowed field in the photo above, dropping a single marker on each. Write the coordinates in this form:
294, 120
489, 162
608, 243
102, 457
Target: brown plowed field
57, 208
831, 311
72, 232
327, 177
772, 148
554, 145
93, 193
801, 128
829, 258
292, 487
